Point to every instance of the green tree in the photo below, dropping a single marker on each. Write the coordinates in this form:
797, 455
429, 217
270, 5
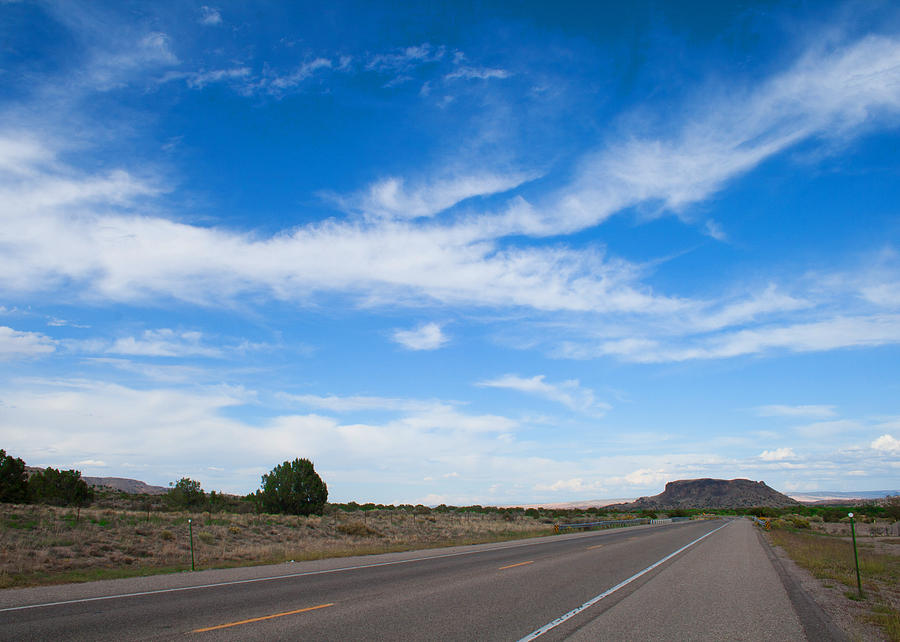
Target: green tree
13, 479
186, 494
294, 488
62, 488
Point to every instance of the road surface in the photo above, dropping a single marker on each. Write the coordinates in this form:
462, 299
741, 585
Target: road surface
700, 580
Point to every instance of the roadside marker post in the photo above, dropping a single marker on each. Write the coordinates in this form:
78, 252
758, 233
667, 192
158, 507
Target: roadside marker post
855, 555
191, 529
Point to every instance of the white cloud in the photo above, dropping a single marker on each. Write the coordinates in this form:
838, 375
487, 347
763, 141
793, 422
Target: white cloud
477, 73
200, 79
887, 444
95, 463
569, 393
714, 230
61, 421
831, 334
426, 337
574, 485
779, 454
19, 345
168, 373
303, 72
393, 198
163, 343
405, 59
53, 420
821, 429
833, 93
89, 233
210, 16
815, 411
355, 403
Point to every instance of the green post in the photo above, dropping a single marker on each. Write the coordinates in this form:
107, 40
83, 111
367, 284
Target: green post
191, 529
855, 555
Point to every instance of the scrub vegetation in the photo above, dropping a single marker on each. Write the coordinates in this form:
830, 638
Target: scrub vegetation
825, 550
133, 535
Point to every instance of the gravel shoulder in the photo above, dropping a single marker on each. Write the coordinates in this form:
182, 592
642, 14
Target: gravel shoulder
847, 616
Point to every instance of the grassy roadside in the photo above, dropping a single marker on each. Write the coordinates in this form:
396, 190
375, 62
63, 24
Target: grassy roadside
830, 559
42, 545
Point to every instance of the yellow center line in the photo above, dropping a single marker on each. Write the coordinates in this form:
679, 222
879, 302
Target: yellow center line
260, 619
503, 568
595, 546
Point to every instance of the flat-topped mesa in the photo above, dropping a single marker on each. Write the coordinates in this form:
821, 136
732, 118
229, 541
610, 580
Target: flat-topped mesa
713, 493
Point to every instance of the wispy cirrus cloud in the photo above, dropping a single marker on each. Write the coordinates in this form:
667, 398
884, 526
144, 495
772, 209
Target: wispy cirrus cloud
200, 79
354, 403
402, 60
476, 73
833, 93
814, 411
395, 198
569, 393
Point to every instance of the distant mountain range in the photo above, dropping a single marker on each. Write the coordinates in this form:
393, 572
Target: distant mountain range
835, 496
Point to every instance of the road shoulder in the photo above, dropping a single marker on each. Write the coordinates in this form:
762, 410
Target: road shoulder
724, 589
842, 615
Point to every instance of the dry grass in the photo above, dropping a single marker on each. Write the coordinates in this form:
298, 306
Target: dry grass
43, 544
831, 558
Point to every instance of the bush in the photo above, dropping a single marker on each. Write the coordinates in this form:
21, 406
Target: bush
358, 529
61, 488
294, 488
186, 494
798, 522
13, 479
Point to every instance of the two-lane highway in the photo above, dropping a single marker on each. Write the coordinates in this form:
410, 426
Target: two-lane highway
491, 592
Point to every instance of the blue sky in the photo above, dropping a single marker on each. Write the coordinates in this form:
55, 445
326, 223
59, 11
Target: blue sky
458, 253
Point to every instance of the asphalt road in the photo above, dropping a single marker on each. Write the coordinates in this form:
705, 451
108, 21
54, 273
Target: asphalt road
720, 587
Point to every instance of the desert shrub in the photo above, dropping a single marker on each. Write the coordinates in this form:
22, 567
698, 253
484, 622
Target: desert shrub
798, 522
357, 529
234, 530
186, 494
293, 487
167, 536
61, 488
206, 537
13, 479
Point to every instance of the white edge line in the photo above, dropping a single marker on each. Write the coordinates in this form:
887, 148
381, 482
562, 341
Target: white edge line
594, 600
267, 579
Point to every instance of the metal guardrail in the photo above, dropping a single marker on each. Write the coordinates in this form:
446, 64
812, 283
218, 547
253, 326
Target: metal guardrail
761, 522
613, 523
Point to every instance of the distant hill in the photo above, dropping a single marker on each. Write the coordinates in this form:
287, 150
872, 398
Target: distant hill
712, 493
124, 485
121, 484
